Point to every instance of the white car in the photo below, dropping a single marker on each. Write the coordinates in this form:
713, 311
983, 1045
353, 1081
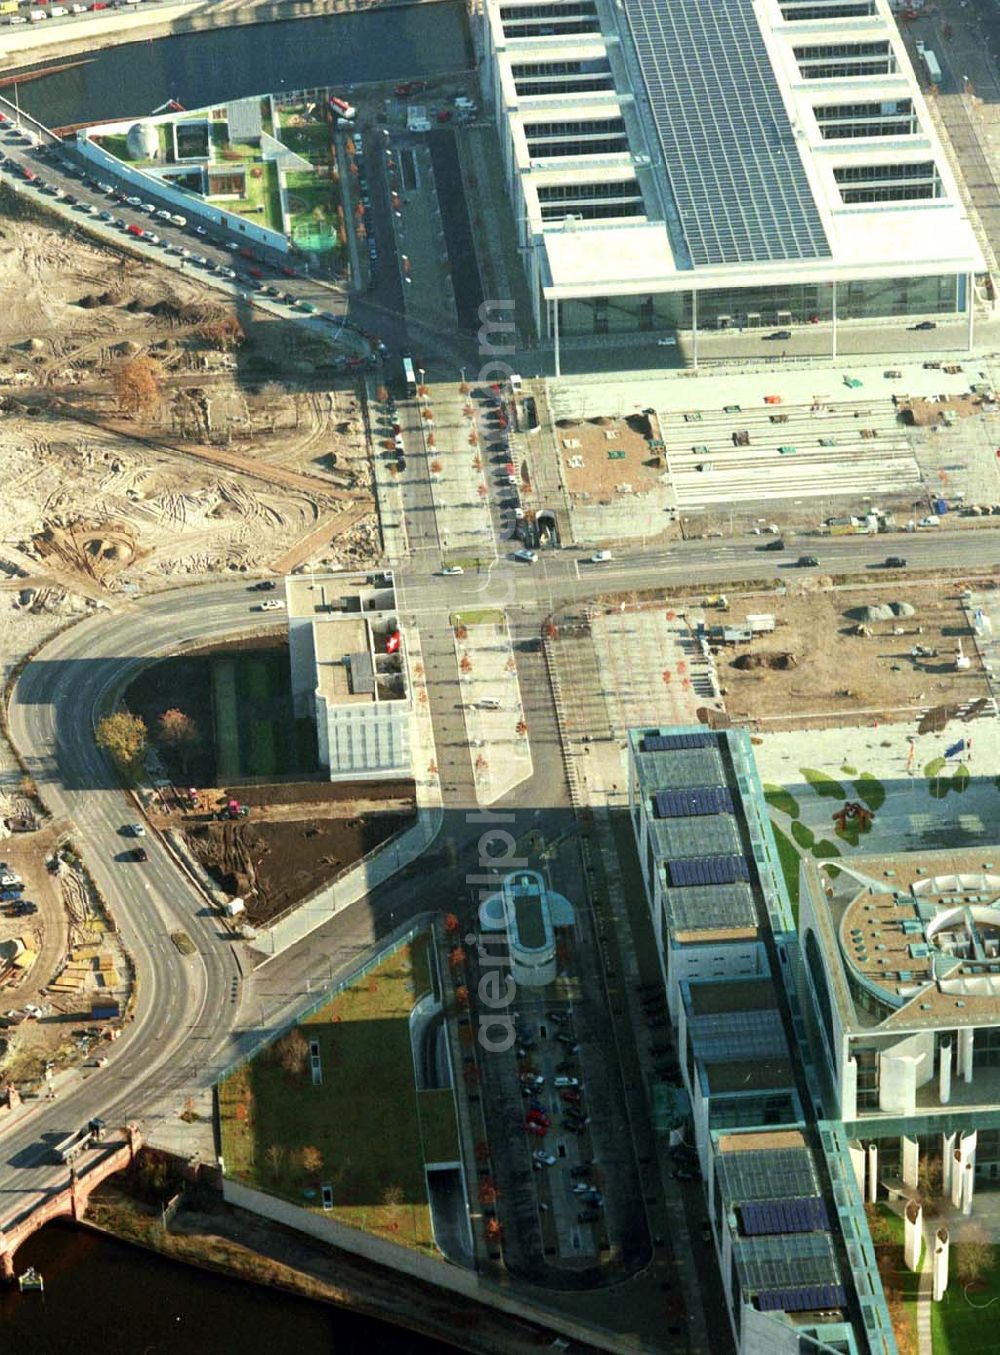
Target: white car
547, 1159
149, 207
272, 605
566, 1082
134, 202
600, 557
137, 829
668, 341
164, 215
526, 557
448, 570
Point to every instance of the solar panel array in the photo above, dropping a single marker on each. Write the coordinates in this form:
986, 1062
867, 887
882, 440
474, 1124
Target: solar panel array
685, 804
731, 155
810, 1299
708, 870
785, 1216
670, 743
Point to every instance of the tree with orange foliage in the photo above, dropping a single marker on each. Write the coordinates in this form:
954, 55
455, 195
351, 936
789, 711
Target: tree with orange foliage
136, 384
451, 923
462, 997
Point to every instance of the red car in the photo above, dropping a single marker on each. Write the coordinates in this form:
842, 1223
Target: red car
443, 115
247, 252
133, 229
410, 87
289, 271
539, 1130
571, 1095
538, 1117
255, 272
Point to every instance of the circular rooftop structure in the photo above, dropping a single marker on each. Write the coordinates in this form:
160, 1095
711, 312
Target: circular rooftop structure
142, 142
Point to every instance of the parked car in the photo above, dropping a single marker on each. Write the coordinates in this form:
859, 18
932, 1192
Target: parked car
925, 324
588, 1216
527, 557
548, 1159
135, 830
448, 570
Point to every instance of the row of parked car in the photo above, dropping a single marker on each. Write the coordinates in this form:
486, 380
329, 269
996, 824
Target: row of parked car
36, 14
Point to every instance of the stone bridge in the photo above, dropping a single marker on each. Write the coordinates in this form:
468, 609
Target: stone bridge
69, 1201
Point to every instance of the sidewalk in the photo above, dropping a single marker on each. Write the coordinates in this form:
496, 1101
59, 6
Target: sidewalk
453, 445
498, 738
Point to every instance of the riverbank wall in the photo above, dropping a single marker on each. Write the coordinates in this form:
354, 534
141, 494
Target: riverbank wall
85, 34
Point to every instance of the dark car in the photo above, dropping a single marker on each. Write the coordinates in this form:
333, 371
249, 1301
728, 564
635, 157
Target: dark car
140, 854
895, 562
582, 1170
588, 1216
776, 544
807, 562
683, 1174
263, 586
778, 334
925, 324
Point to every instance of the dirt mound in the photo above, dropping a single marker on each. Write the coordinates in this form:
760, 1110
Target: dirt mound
183, 313
568, 423
90, 302
780, 662
880, 611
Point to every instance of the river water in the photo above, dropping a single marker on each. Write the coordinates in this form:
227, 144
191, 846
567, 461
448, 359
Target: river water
228, 63
105, 1297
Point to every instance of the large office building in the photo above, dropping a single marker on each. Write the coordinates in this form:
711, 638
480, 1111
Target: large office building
783, 1196
903, 960
349, 672
674, 164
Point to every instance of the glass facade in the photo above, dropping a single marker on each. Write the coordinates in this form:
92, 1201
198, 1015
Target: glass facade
764, 307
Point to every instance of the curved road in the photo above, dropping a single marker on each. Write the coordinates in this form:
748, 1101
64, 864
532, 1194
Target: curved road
195, 1015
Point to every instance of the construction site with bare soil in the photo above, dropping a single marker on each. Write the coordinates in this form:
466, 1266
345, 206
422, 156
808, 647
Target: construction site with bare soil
150, 432
828, 655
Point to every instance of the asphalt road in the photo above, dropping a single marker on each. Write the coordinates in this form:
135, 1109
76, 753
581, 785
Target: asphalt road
196, 1014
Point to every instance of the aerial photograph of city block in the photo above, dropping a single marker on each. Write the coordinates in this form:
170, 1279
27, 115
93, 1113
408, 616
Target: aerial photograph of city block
500, 658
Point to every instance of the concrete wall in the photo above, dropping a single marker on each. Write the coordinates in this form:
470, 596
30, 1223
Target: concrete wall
904, 1068
414, 1264
185, 203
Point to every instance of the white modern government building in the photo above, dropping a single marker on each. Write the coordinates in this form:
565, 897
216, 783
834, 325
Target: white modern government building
677, 164
349, 672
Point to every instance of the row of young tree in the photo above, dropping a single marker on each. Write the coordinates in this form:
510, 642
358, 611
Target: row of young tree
125, 738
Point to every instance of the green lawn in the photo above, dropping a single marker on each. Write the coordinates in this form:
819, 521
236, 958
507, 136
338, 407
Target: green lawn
870, 789
310, 140
782, 800
485, 616
966, 1323
802, 835
823, 784
312, 206
363, 1127
262, 203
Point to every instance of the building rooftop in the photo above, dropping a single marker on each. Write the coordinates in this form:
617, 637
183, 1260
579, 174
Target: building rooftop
746, 1074
917, 937
662, 145
721, 909
340, 677
322, 595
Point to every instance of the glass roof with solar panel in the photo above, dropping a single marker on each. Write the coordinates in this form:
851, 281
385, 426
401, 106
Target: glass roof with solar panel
731, 156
